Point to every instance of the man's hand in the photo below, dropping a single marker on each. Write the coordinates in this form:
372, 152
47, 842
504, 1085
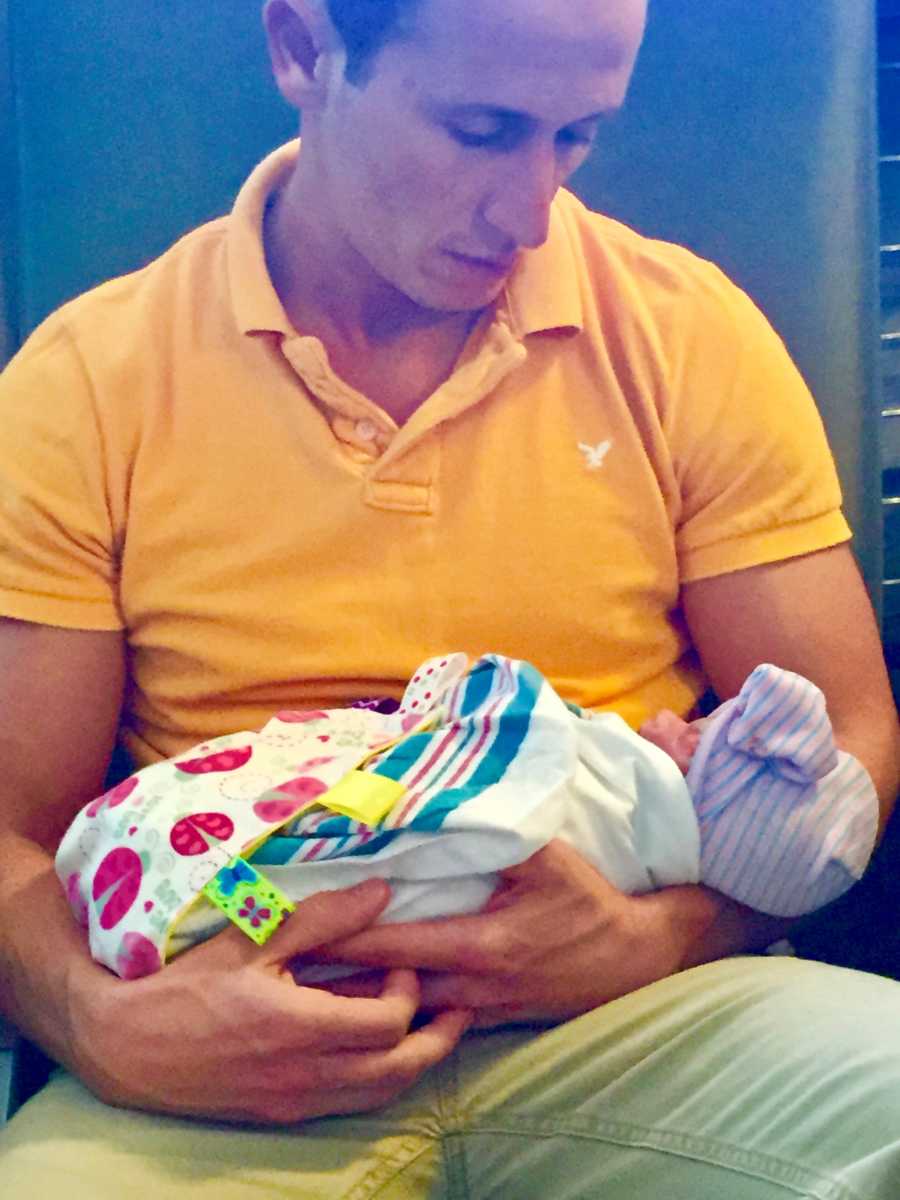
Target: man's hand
555, 940
224, 1031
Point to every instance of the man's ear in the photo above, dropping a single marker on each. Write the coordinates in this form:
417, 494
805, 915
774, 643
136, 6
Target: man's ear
301, 37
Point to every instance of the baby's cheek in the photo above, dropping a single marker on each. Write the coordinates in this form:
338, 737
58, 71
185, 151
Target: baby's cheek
664, 730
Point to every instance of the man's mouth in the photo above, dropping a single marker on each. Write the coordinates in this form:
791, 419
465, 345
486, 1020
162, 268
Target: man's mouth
491, 266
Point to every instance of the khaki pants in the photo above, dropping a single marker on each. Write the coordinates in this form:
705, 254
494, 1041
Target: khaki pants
750, 1079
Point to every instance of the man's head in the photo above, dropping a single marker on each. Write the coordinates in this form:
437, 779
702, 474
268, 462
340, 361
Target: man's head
436, 132
365, 26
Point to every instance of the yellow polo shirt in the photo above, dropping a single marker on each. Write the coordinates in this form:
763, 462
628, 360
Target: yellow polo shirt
178, 462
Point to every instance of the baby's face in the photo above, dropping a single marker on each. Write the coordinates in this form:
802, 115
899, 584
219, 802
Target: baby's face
673, 734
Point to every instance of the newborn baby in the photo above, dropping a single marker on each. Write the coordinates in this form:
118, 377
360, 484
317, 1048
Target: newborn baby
480, 766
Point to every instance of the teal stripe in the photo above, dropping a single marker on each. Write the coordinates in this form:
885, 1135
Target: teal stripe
512, 729
276, 851
374, 845
279, 851
456, 750
404, 756
478, 687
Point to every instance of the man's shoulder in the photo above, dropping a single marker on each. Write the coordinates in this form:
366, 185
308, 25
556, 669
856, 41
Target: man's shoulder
620, 256
184, 266
133, 307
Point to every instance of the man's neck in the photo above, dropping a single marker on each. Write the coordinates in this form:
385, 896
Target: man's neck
378, 340
325, 286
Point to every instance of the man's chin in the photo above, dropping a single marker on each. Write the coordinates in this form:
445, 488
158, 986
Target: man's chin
455, 300
454, 283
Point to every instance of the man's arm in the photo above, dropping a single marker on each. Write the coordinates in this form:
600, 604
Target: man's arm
810, 615
60, 695
559, 939
310, 1054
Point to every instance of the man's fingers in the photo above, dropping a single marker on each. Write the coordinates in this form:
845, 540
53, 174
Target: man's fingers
553, 866
328, 916
401, 985
361, 983
354, 1023
442, 990
545, 865
477, 944
352, 1083
324, 917
286, 1090
399, 1067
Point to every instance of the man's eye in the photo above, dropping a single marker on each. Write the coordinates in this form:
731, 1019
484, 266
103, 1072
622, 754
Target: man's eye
576, 137
509, 137
495, 138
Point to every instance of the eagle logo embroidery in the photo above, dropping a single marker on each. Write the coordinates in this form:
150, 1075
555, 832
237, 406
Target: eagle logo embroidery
595, 456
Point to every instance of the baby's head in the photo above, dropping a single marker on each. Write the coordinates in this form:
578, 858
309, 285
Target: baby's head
777, 717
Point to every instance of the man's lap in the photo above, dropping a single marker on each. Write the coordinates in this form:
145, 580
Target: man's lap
750, 1078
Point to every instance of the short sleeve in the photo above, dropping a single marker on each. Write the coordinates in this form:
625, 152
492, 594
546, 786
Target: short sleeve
755, 474
58, 553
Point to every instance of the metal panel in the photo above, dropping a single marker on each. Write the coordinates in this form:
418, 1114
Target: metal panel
890, 439
890, 199
889, 107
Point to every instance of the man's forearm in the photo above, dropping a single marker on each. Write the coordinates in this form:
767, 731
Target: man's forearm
725, 927
721, 926
709, 926
41, 947
874, 739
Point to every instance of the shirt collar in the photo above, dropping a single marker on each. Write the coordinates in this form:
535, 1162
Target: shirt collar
543, 294
254, 300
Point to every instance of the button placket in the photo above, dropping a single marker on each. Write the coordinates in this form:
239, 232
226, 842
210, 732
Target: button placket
366, 429
350, 414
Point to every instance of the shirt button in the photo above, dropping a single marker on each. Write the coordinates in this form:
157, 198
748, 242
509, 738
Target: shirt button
366, 429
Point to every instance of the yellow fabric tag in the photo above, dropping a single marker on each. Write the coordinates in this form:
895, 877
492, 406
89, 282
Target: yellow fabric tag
363, 796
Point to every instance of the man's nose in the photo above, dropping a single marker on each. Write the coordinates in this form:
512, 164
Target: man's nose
519, 207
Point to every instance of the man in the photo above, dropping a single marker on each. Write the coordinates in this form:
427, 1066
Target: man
355, 423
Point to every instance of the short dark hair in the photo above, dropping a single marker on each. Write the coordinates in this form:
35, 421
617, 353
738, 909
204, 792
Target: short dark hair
365, 26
